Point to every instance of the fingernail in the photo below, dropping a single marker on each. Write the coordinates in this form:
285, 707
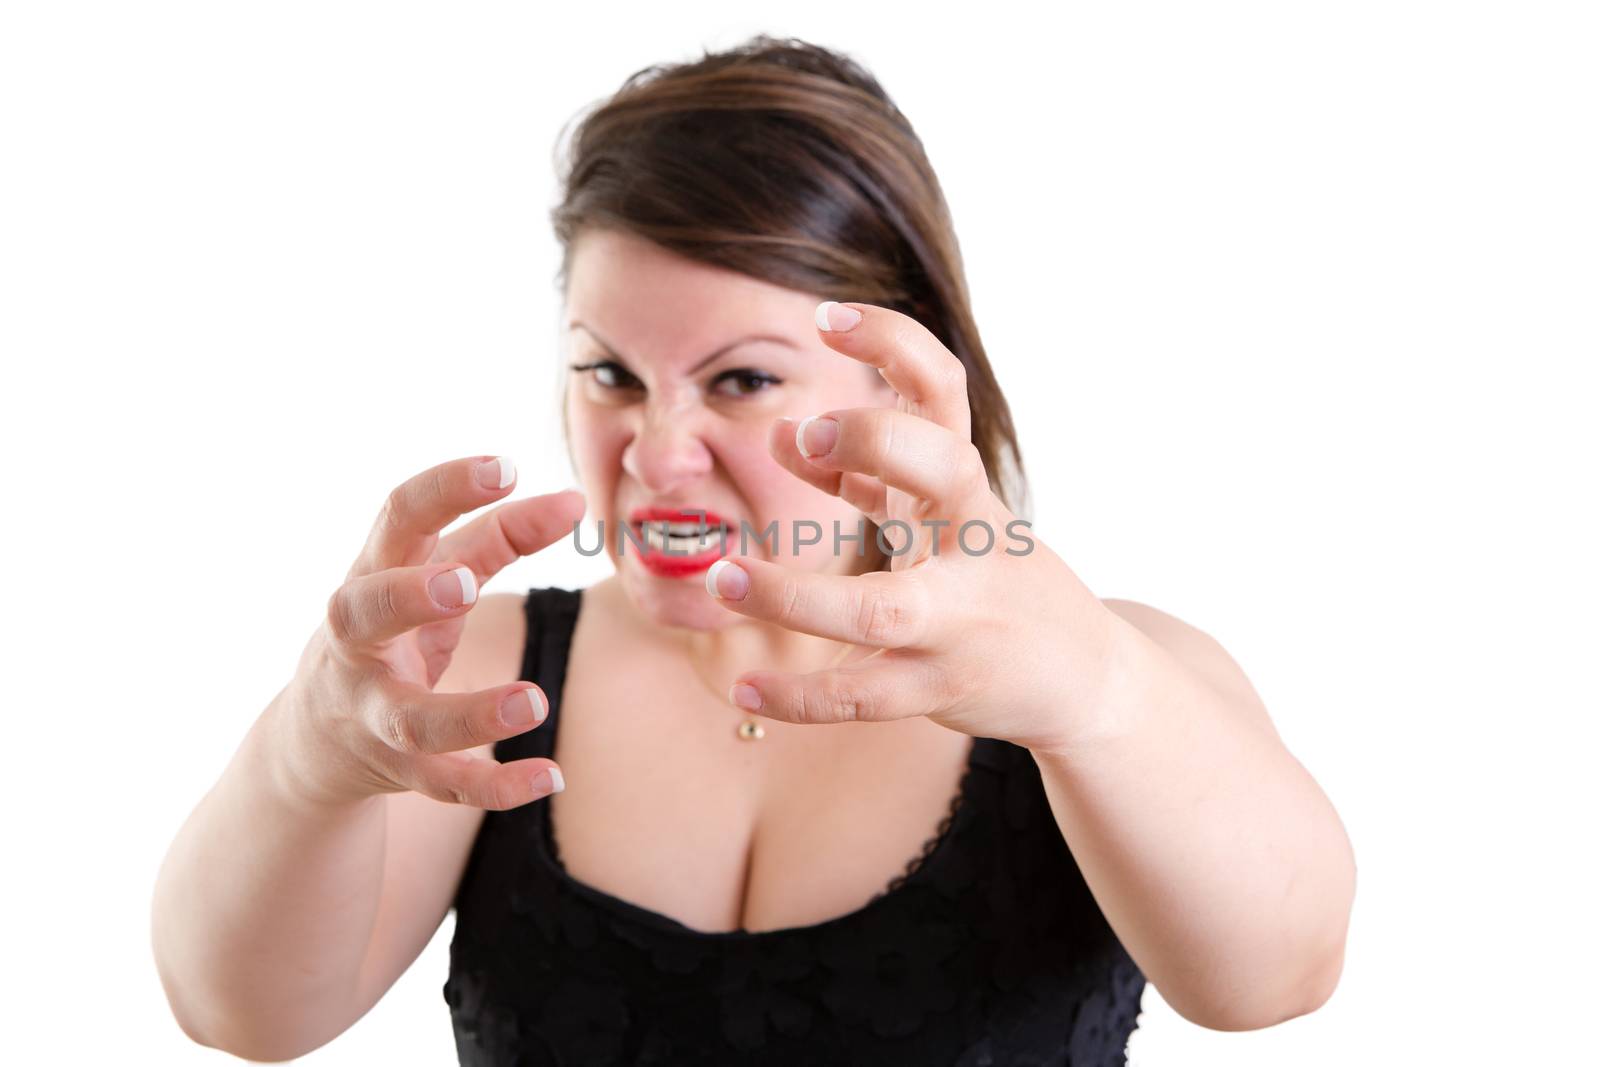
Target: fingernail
549, 781
816, 435
746, 696
453, 588
497, 473
834, 317
522, 708
727, 580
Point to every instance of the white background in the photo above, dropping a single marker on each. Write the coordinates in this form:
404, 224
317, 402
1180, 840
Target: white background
1295, 306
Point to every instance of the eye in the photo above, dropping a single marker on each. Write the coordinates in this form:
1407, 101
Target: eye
746, 382
609, 374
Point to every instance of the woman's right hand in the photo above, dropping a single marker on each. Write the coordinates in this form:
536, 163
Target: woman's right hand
361, 715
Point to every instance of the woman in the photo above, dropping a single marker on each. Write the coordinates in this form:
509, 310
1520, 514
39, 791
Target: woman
852, 767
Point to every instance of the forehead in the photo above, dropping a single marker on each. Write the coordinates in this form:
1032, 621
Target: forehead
642, 297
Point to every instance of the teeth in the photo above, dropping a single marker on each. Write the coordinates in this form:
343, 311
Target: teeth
680, 538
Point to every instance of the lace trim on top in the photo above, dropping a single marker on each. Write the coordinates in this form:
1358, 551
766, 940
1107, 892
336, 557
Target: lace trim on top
913, 866
940, 834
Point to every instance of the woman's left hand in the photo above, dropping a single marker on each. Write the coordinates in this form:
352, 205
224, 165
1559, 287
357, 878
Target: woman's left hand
977, 625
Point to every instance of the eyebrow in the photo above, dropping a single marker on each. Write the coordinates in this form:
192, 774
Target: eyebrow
713, 357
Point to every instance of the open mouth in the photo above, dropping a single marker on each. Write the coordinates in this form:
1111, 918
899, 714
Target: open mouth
680, 534
683, 539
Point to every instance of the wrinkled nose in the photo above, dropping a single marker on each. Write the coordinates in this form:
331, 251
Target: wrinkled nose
667, 451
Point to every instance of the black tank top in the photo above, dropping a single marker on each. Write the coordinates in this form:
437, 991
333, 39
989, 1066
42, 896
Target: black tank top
987, 950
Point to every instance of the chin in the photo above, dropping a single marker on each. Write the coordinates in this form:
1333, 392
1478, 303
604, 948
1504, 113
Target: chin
680, 601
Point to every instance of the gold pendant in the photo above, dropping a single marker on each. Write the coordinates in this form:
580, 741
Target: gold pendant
750, 730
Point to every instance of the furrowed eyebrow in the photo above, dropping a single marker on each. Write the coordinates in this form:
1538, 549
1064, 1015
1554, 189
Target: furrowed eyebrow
713, 357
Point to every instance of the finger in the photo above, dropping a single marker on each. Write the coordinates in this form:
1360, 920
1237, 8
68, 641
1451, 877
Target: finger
417, 509
881, 689
911, 359
878, 609
493, 541
367, 612
862, 492
416, 722
371, 609
457, 778
901, 450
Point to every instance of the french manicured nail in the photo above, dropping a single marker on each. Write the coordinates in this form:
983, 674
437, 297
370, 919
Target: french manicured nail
453, 588
816, 435
746, 696
497, 473
727, 580
522, 708
834, 317
549, 781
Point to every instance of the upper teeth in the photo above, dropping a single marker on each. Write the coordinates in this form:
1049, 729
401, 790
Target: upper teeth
680, 529
684, 534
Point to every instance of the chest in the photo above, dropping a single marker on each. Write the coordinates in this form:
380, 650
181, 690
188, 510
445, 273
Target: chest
668, 809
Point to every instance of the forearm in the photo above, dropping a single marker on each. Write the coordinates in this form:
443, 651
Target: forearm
1214, 855
264, 906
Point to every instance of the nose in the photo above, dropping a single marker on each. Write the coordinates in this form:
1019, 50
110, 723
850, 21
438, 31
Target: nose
668, 450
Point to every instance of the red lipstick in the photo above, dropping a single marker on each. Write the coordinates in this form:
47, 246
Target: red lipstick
676, 564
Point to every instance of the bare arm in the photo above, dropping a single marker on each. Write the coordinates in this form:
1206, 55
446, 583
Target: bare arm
264, 906
301, 937
1216, 858
304, 935
316, 867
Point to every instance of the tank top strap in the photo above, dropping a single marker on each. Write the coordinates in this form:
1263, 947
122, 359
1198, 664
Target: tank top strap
552, 616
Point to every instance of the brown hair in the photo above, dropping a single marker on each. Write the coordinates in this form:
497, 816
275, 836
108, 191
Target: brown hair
787, 162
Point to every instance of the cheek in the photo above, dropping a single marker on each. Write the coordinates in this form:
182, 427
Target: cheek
593, 436
770, 491
742, 451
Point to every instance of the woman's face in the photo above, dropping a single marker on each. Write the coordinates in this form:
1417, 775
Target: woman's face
696, 363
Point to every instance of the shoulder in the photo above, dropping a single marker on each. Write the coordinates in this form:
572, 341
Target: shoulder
490, 650
1194, 648
1159, 625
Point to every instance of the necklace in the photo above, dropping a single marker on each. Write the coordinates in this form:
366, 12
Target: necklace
750, 728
